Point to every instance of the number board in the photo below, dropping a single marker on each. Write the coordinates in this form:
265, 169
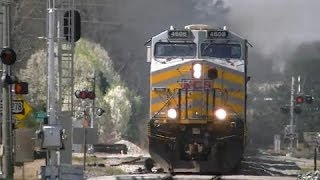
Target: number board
178, 34
217, 34
17, 107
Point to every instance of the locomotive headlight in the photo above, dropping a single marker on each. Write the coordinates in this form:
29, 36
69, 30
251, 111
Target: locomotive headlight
172, 113
197, 71
221, 114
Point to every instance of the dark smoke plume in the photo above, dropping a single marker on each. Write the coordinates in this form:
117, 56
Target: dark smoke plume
212, 11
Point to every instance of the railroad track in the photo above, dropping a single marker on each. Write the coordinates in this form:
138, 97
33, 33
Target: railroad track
252, 166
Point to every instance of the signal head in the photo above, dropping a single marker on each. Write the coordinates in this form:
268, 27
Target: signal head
21, 88
8, 56
100, 111
299, 99
309, 99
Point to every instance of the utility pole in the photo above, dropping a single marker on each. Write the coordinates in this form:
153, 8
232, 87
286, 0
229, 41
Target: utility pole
6, 100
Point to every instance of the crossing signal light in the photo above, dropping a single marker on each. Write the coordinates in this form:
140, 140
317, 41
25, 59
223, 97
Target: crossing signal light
8, 56
85, 94
21, 88
309, 99
72, 25
299, 99
100, 111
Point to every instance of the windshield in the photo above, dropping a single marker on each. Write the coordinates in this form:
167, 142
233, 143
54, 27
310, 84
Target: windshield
221, 50
175, 49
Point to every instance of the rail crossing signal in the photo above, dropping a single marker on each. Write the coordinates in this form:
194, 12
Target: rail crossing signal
85, 94
8, 56
299, 99
309, 99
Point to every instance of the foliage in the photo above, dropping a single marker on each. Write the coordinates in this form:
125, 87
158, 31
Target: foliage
305, 62
121, 104
124, 107
35, 73
264, 116
265, 119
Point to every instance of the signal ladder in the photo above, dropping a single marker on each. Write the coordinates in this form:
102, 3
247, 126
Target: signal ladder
66, 61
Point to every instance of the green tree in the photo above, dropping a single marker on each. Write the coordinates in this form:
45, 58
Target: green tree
120, 103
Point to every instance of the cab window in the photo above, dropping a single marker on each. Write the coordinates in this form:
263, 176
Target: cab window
217, 50
175, 49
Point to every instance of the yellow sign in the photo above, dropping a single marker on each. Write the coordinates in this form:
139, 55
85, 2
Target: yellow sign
27, 109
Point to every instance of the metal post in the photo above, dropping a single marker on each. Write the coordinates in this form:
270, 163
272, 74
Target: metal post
315, 158
51, 68
297, 116
84, 148
6, 131
92, 114
51, 104
6, 98
291, 113
93, 100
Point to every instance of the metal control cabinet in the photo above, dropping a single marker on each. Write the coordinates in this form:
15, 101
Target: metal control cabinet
24, 145
51, 137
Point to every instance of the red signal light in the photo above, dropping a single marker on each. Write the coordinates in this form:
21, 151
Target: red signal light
8, 56
84, 94
299, 100
91, 95
21, 88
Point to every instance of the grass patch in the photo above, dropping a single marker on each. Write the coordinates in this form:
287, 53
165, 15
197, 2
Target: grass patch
104, 171
89, 159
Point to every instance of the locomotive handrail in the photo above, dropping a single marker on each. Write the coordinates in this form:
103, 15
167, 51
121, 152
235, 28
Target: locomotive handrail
164, 105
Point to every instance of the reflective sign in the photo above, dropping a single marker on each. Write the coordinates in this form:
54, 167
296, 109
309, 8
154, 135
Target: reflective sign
27, 109
17, 107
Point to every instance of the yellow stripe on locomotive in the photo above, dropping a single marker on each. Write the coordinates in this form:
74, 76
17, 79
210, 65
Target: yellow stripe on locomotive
228, 86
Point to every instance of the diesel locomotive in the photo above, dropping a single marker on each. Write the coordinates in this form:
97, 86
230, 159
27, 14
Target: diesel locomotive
198, 77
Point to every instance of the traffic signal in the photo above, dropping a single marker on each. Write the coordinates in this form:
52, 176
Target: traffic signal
21, 88
8, 56
309, 99
85, 94
100, 111
72, 25
299, 99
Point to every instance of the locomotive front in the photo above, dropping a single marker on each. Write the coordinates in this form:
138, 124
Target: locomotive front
197, 99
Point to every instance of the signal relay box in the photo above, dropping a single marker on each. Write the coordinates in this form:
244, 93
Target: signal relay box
52, 137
